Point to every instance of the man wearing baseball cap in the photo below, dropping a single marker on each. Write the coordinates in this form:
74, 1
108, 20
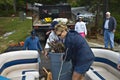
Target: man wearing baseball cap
32, 42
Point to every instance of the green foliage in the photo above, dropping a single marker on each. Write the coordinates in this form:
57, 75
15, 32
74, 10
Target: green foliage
117, 37
20, 29
6, 13
117, 33
6, 1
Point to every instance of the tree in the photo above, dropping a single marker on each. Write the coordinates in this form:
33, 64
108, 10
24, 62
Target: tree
8, 3
14, 5
5, 4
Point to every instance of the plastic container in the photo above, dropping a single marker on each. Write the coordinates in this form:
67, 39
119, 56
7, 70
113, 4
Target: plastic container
55, 64
3, 78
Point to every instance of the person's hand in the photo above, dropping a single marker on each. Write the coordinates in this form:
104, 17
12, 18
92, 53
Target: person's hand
46, 53
42, 52
118, 66
47, 33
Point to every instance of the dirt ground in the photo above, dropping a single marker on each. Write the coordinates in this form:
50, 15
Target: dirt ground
98, 39
99, 42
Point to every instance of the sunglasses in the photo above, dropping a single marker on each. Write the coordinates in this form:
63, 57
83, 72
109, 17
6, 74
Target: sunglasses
60, 33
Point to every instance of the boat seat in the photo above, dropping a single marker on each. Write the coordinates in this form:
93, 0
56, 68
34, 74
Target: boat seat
104, 66
20, 65
23, 74
93, 75
101, 73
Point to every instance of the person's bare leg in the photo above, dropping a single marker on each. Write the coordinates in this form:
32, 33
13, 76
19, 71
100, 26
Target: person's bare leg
77, 76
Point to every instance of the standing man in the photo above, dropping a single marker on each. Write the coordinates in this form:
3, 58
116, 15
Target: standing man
77, 50
109, 27
32, 42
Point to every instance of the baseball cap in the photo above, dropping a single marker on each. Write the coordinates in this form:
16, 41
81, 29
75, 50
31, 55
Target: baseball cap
53, 24
33, 33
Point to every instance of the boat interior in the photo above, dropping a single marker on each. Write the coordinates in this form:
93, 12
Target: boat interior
24, 65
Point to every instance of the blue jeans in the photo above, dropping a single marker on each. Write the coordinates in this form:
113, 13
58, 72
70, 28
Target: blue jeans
108, 39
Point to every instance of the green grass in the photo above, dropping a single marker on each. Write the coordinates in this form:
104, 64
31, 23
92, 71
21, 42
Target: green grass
20, 28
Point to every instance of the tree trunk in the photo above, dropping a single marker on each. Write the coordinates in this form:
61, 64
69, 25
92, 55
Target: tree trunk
14, 6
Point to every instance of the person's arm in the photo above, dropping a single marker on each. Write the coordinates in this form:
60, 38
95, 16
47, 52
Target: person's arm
48, 32
85, 29
47, 45
76, 27
39, 45
25, 44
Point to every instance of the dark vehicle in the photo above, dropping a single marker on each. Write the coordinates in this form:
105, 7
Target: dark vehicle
46, 14
55, 11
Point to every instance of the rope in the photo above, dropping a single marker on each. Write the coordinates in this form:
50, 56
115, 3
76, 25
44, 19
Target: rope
62, 65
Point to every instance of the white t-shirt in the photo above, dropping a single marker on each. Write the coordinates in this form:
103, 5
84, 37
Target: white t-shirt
106, 24
52, 37
81, 27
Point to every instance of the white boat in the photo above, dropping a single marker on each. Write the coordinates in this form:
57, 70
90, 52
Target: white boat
19, 65
24, 65
104, 66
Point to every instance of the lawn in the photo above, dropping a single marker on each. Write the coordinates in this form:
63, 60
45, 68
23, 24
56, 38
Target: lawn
13, 31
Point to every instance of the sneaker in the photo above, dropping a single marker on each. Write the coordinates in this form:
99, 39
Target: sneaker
112, 49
